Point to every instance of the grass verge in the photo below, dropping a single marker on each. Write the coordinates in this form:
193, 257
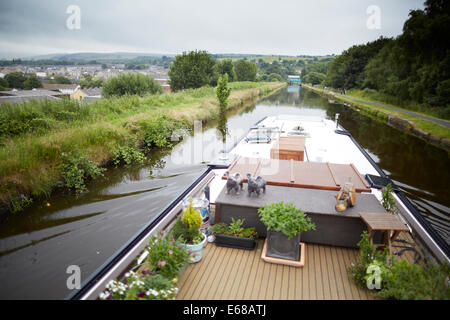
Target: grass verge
36, 158
429, 131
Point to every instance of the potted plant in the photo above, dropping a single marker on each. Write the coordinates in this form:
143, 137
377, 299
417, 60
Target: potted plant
234, 235
284, 223
187, 228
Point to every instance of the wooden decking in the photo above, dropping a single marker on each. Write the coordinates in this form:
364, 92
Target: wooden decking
233, 274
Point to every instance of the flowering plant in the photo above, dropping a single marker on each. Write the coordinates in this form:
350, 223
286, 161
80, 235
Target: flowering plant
166, 256
150, 287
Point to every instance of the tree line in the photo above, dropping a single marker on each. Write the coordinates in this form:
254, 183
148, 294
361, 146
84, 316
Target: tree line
413, 67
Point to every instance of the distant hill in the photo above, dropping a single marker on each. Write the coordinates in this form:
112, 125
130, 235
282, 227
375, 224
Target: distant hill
100, 57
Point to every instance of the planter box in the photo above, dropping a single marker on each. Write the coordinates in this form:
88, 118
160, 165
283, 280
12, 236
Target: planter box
279, 246
223, 240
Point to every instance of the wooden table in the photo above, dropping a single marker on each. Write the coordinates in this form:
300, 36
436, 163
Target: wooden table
385, 222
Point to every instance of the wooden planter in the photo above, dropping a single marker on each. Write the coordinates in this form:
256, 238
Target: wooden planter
223, 240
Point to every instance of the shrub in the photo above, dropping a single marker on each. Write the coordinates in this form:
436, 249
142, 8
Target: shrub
77, 169
127, 155
412, 282
129, 84
159, 131
367, 255
188, 226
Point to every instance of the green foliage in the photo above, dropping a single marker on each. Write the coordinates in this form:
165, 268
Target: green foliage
77, 169
388, 200
187, 227
166, 256
400, 280
15, 80
414, 67
234, 229
219, 228
158, 131
226, 67
90, 82
245, 71
367, 255
285, 218
223, 91
3, 84
61, 80
129, 83
192, 217
314, 78
235, 226
21, 203
193, 70
39, 116
127, 155
32, 82
412, 282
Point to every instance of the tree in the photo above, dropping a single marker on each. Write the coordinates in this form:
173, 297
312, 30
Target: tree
223, 92
314, 78
90, 82
129, 83
32, 82
61, 80
193, 70
15, 80
3, 84
226, 67
245, 71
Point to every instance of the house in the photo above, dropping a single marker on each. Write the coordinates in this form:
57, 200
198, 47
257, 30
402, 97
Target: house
164, 84
63, 88
87, 94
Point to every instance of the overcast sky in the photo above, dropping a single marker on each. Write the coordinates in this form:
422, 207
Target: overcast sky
285, 27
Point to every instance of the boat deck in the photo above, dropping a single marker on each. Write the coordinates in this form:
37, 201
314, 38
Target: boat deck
234, 274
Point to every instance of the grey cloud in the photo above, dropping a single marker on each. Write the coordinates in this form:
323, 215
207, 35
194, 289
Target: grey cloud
171, 26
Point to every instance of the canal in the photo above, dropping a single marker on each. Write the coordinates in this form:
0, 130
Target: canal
37, 245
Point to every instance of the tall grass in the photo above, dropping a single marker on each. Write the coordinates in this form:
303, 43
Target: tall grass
35, 138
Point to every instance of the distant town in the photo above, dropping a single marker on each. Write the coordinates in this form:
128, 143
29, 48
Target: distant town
80, 76
23, 80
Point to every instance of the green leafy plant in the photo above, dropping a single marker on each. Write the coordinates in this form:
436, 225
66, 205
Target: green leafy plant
21, 203
127, 155
285, 218
412, 282
166, 256
77, 169
187, 227
235, 226
234, 229
367, 255
388, 200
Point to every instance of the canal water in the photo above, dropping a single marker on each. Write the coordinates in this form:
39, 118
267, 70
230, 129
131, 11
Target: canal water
37, 245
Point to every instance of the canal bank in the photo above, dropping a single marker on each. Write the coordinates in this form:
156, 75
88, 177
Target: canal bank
113, 132
421, 127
